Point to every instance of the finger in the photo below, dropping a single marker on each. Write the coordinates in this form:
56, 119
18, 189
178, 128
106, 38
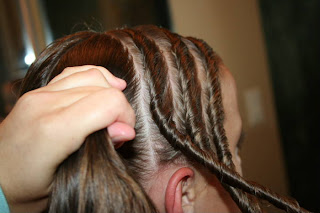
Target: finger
120, 132
64, 98
96, 111
114, 81
91, 77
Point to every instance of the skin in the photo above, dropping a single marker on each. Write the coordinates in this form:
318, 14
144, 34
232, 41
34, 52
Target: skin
184, 188
33, 137
29, 137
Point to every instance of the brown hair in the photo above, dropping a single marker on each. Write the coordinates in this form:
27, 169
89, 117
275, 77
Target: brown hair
179, 118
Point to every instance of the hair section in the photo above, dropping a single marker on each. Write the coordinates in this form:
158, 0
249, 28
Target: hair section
173, 86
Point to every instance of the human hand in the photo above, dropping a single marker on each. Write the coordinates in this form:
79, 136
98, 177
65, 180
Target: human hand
50, 123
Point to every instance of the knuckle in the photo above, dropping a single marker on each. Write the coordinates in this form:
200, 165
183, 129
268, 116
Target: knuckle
119, 104
120, 101
67, 69
117, 96
32, 99
95, 73
100, 68
132, 115
28, 98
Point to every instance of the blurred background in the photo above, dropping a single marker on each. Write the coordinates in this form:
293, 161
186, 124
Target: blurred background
271, 47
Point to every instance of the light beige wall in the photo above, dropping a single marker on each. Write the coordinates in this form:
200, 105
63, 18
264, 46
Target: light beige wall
233, 29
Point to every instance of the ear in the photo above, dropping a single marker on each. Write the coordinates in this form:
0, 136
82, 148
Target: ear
180, 192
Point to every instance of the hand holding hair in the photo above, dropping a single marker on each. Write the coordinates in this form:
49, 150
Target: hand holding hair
50, 123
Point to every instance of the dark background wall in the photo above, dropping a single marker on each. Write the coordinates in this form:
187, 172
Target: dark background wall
103, 15
292, 32
41, 21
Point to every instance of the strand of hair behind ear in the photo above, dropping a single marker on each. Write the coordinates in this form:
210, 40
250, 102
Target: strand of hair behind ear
214, 119
279, 201
215, 114
186, 62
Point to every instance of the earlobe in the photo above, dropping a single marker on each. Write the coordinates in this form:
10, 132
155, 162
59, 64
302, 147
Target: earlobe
178, 191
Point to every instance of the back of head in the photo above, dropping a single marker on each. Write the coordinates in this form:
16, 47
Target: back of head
173, 86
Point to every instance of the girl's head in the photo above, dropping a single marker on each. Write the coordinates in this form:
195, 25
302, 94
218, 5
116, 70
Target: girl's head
188, 125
